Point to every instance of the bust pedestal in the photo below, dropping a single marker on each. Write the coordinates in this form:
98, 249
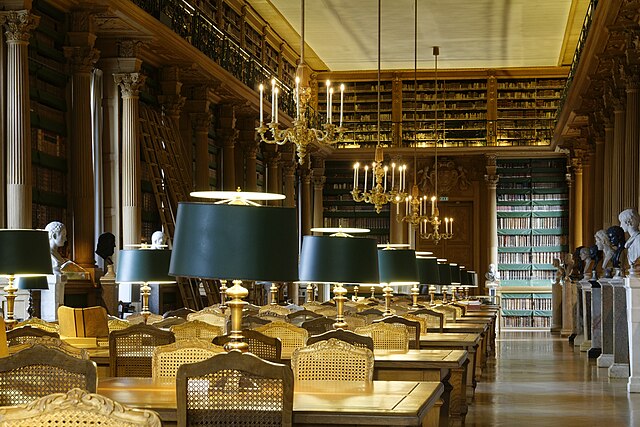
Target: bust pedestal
586, 313
568, 307
110, 291
556, 313
620, 367
51, 299
606, 330
632, 287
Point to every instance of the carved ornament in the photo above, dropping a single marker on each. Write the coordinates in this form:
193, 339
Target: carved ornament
450, 177
130, 83
19, 24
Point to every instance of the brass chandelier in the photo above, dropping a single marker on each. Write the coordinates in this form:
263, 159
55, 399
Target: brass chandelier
381, 191
302, 133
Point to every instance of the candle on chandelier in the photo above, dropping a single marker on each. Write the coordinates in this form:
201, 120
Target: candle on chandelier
433, 205
297, 98
330, 104
420, 200
393, 175
404, 177
328, 83
386, 169
261, 107
341, 102
366, 169
451, 225
407, 201
356, 166
276, 109
273, 98
446, 225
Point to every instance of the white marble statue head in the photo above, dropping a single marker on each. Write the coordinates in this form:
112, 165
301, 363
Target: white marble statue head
629, 221
158, 240
57, 234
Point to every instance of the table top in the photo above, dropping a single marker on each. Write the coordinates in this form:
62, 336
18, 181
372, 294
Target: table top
461, 327
420, 359
449, 339
334, 402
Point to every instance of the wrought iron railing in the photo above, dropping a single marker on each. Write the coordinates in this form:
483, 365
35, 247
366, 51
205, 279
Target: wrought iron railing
199, 29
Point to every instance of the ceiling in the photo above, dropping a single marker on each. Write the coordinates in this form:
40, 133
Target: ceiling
341, 35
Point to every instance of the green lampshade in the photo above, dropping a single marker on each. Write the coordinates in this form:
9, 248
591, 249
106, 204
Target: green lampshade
144, 266
336, 259
32, 283
428, 273
397, 266
455, 274
444, 273
24, 253
232, 242
473, 278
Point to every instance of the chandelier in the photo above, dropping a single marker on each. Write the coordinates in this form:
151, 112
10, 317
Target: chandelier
380, 192
302, 133
434, 220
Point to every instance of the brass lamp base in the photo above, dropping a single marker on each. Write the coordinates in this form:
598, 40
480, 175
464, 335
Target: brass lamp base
145, 291
223, 295
237, 292
339, 292
274, 293
10, 289
388, 293
373, 294
310, 292
415, 291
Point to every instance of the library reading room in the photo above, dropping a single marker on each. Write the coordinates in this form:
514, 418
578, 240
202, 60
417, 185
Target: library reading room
320, 213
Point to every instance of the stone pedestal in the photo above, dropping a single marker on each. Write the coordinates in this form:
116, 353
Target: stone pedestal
620, 367
586, 315
632, 288
596, 320
53, 298
556, 313
110, 291
568, 308
577, 336
606, 325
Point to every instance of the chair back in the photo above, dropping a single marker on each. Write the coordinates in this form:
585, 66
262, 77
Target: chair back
326, 310
131, 349
180, 312
434, 318
352, 338
312, 305
115, 324
138, 318
274, 310
413, 328
86, 322
450, 313
319, 325
234, 388
291, 336
299, 317
196, 329
35, 322
332, 360
251, 322
38, 371
55, 343
263, 346
354, 320
371, 314
168, 322
26, 334
210, 315
79, 408
387, 336
168, 358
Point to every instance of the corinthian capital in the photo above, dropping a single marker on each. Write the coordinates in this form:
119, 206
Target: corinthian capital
81, 58
18, 25
130, 83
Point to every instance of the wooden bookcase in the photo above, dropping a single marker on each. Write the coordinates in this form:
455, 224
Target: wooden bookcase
532, 205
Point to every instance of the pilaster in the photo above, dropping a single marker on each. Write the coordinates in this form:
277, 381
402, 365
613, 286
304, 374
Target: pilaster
246, 124
492, 179
599, 189
608, 217
632, 141
576, 213
201, 124
618, 182
306, 175
318, 185
227, 137
272, 158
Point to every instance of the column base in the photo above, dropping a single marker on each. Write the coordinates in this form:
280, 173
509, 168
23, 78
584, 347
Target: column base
619, 370
577, 340
585, 346
556, 330
605, 360
594, 353
633, 386
568, 333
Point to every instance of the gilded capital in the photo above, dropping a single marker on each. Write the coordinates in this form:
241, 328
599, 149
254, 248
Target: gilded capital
19, 24
201, 121
82, 59
172, 104
576, 164
130, 83
492, 180
129, 48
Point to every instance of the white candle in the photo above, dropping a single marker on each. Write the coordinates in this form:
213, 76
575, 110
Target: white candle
420, 200
330, 103
261, 108
356, 166
451, 225
397, 208
404, 176
341, 102
277, 91
446, 225
273, 99
393, 175
328, 83
366, 169
297, 97
433, 205
386, 169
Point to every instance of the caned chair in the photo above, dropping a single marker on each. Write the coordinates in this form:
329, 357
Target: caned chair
180, 312
115, 324
76, 407
131, 349
35, 322
386, 336
332, 360
263, 346
450, 313
210, 315
196, 329
168, 358
291, 336
299, 317
38, 371
312, 305
352, 338
250, 322
423, 321
52, 342
276, 310
168, 322
319, 325
234, 388
434, 319
27, 333
461, 310
413, 328
371, 314
326, 311
138, 318
355, 320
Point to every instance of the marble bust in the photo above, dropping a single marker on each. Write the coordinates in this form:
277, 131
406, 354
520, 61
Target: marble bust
105, 247
629, 221
616, 238
595, 255
604, 244
493, 275
57, 238
560, 270
158, 240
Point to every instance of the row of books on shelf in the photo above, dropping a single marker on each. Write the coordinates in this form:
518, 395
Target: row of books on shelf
526, 303
526, 103
533, 163
546, 93
524, 133
50, 180
535, 240
526, 321
527, 257
366, 117
528, 275
371, 223
529, 197
477, 85
370, 127
478, 99
519, 223
42, 215
534, 114
442, 106
531, 84
539, 123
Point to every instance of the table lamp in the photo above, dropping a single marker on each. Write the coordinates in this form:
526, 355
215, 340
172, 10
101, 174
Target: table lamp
428, 274
235, 242
144, 266
455, 279
23, 253
336, 260
397, 268
473, 280
444, 273
34, 283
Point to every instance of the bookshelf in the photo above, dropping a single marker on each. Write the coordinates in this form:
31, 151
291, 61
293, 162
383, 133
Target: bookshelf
231, 22
47, 91
341, 210
532, 208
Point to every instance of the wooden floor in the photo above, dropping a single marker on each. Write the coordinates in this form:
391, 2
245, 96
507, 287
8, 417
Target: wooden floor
537, 379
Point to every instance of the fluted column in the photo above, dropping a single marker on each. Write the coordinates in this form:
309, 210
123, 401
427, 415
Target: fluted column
587, 200
290, 183
572, 201
618, 178
251, 151
608, 171
272, 158
201, 124
82, 60
599, 188
492, 179
228, 135
632, 145
396, 228
576, 214
246, 124
18, 27
306, 214
318, 205
130, 85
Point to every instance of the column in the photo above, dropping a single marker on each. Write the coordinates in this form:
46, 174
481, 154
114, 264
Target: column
599, 189
318, 206
171, 100
587, 202
82, 57
568, 300
228, 135
607, 216
492, 211
617, 164
632, 287
251, 151
606, 332
18, 26
201, 124
576, 213
246, 124
396, 228
130, 85
290, 183
305, 205
631, 144
620, 366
